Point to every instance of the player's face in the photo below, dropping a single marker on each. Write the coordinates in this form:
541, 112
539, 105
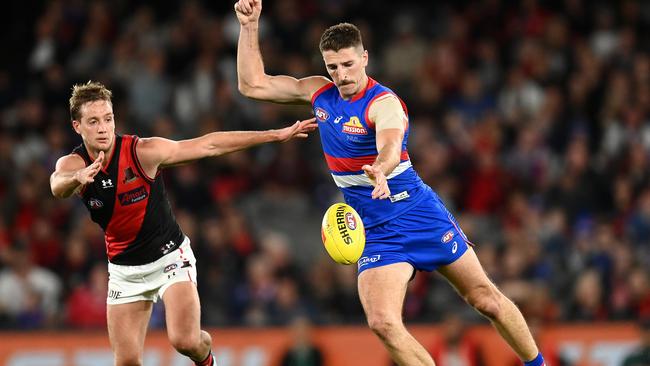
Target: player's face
347, 68
96, 125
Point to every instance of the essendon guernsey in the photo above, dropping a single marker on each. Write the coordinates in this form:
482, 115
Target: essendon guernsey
132, 209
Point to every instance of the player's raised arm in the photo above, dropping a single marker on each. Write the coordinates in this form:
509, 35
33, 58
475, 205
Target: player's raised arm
253, 81
157, 152
72, 173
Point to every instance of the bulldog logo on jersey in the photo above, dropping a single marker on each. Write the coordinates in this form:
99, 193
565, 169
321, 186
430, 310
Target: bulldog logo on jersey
321, 114
354, 127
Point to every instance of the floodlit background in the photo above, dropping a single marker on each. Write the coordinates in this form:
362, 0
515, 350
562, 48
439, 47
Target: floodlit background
531, 120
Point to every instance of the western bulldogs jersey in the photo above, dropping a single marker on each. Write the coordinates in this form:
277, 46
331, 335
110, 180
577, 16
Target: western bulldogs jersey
134, 212
349, 142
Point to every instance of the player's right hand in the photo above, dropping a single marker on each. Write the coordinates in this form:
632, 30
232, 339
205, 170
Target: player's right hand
87, 174
379, 180
248, 11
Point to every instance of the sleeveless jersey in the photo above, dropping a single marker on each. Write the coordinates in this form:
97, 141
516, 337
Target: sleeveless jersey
139, 226
349, 141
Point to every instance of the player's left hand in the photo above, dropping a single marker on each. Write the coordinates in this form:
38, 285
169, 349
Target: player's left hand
248, 11
300, 129
379, 180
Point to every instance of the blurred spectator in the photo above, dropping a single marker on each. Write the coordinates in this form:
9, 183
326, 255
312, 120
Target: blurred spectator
29, 295
302, 352
587, 300
454, 347
640, 356
149, 89
86, 305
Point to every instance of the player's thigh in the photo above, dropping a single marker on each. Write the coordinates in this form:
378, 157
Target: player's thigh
468, 276
127, 328
382, 290
182, 311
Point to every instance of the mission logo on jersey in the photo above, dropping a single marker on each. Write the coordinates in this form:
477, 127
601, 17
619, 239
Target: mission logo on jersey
354, 127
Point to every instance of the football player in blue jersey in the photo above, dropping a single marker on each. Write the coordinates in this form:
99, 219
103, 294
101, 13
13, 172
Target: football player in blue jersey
364, 129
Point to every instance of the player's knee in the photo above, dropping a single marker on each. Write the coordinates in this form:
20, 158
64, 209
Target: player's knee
383, 326
185, 344
486, 299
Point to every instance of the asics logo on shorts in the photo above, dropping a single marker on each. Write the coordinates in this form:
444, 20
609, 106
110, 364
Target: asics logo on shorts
454, 248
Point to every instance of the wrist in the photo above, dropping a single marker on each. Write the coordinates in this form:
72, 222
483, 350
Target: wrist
382, 167
251, 25
77, 177
275, 135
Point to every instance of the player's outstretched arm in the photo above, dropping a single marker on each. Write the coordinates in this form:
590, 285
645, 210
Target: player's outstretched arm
71, 173
157, 152
252, 79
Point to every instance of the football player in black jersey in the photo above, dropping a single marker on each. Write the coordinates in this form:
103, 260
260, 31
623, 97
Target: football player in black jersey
118, 178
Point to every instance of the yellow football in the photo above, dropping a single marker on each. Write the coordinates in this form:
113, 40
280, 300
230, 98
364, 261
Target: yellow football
343, 233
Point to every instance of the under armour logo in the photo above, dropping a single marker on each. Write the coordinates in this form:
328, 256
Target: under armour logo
107, 183
338, 119
166, 248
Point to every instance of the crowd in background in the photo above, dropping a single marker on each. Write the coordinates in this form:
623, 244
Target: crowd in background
530, 119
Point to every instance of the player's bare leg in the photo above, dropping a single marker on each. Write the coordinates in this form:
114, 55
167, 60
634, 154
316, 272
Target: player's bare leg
468, 277
382, 292
183, 317
127, 328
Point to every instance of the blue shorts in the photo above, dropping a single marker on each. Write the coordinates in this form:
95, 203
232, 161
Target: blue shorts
427, 236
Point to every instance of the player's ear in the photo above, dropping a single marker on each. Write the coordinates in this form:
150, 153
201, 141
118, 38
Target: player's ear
76, 125
364, 57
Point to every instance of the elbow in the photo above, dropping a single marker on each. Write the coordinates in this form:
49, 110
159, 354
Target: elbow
247, 92
246, 89
251, 88
57, 194
243, 88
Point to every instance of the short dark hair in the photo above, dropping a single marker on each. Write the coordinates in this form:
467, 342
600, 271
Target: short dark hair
84, 93
343, 35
